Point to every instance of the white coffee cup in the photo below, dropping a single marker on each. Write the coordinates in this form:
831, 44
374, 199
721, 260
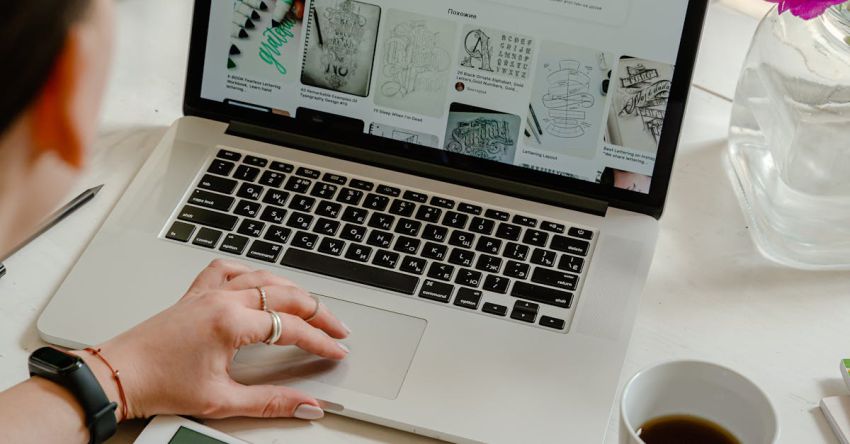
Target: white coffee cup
701, 389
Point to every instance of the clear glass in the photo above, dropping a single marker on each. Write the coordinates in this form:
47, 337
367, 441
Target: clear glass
789, 139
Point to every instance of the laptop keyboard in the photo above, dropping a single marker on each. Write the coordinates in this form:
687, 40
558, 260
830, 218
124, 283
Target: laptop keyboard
435, 248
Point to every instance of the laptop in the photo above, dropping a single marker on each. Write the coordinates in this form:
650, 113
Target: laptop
473, 186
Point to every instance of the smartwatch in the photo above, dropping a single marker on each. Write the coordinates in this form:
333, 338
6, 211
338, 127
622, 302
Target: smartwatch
71, 372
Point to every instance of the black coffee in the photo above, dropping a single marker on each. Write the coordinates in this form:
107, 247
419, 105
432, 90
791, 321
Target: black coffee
680, 429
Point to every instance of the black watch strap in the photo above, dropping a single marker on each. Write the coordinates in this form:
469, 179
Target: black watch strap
71, 372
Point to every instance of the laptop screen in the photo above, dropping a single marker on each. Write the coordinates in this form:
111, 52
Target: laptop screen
573, 88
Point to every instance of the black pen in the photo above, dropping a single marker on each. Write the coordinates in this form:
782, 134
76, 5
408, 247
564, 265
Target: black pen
54, 219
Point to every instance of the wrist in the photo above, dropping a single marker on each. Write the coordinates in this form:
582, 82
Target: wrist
107, 381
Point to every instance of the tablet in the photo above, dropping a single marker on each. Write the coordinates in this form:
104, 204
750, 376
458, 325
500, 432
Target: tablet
178, 430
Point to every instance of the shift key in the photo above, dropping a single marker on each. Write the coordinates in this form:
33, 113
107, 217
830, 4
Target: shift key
544, 295
209, 218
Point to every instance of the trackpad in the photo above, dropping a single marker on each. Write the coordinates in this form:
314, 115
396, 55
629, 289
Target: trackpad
382, 346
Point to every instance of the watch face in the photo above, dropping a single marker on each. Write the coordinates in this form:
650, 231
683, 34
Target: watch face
54, 360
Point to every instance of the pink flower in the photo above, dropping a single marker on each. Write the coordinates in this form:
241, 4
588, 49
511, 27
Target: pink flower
806, 9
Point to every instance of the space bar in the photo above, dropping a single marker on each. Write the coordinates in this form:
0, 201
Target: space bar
350, 271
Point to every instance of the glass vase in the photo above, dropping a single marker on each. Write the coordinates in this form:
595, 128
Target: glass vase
789, 139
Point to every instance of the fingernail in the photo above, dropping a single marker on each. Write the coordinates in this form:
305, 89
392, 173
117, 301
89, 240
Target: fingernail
309, 412
343, 347
345, 327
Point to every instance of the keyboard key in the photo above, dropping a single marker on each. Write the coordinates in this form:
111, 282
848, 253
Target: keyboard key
552, 226
496, 284
442, 202
455, 220
402, 208
247, 208
535, 237
580, 233
488, 263
228, 155
544, 295
523, 315
276, 197
350, 196
305, 240
361, 185
273, 214
219, 184
468, 278
324, 190
246, 173
335, 178
525, 305
212, 201
326, 226
250, 191
355, 215
555, 278
494, 309
330, 246
302, 203
497, 215
516, 251
210, 218
571, 263
180, 231
298, 185
299, 221
353, 232
428, 214
386, 259
440, 271
570, 245
388, 190
272, 179
381, 221
462, 239
282, 167
251, 228
376, 202
234, 244
407, 245
435, 233
255, 161
278, 234
221, 167
380, 239
543, 257
488, 245
516, 269
468, 298
461, 257
469, 208
264, 251
436, 291
342, 269
415, 197
508, 231
358, 253
329, 209
481, 225
308, 173
412, 264
408, 227
434, 251
557, 324
525, 221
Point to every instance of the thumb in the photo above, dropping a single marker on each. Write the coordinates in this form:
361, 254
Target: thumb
272, 401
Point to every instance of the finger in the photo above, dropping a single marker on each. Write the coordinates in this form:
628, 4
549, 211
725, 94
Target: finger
256, 279
294, 331
217, 273
297, 301
270, 402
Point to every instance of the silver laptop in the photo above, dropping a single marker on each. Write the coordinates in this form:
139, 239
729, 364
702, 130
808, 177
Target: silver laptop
472, 186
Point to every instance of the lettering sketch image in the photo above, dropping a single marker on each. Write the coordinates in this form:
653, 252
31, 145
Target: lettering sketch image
482, 133
405, 135
567, 102
496, 51
642, 89
414, 66
340, 48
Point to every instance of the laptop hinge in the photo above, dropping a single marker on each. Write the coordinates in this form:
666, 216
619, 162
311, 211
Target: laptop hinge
425, 169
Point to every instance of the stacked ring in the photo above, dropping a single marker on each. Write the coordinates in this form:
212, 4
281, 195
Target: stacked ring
276, 328
263, 299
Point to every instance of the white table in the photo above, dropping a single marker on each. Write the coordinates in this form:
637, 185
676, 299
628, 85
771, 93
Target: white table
710, 294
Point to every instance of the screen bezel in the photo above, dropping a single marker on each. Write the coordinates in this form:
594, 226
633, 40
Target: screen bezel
651, 203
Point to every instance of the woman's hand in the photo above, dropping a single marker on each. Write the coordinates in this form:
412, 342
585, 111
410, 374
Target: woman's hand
177, 362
